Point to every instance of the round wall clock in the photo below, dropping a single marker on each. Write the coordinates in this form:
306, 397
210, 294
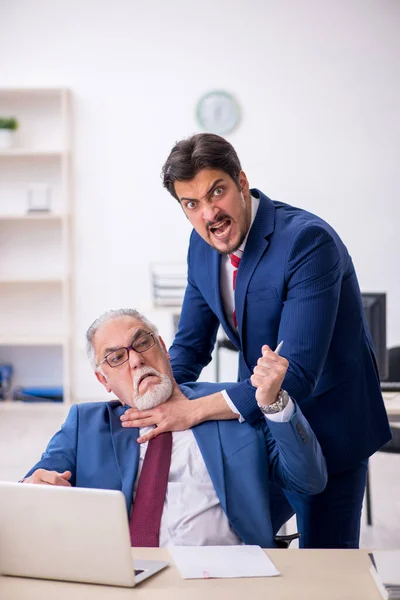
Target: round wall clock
218, 112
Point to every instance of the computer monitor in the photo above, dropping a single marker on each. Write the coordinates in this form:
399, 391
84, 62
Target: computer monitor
375, 313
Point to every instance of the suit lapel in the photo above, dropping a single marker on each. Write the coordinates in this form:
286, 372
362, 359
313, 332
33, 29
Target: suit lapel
214, 261
126, 450
256, 245
208, 440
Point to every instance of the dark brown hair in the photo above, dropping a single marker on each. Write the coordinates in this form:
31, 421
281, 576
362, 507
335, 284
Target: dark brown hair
201, 151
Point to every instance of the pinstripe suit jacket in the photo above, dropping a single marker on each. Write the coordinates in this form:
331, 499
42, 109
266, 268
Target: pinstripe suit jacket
296, 282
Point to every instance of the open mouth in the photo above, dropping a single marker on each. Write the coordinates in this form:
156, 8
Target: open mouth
222, 229
144, 377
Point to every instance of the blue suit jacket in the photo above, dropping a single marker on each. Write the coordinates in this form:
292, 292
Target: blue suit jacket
240, 459
296, 282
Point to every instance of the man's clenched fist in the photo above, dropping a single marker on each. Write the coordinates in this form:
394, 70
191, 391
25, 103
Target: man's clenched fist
268, 376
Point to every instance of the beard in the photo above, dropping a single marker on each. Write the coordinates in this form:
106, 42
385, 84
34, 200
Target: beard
157, 394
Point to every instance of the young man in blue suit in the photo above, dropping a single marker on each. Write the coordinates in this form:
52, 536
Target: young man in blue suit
266, 272
218, 473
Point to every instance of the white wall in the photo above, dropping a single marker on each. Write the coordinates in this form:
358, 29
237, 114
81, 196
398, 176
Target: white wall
319, 85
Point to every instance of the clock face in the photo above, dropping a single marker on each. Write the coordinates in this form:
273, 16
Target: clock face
218, 112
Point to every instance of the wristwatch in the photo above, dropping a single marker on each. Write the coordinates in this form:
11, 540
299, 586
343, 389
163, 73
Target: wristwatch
281, 402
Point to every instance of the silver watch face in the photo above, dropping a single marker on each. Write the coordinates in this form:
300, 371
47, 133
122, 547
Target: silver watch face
271, 408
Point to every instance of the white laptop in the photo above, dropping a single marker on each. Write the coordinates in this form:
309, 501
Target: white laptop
68, 534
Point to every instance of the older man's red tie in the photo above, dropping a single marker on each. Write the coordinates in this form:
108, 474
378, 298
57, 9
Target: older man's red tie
144, 524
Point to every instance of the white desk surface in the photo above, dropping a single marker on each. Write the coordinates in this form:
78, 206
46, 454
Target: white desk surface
305, 575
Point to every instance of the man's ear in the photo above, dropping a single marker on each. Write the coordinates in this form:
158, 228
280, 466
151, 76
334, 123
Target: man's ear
163, 346
244, 184
103, 380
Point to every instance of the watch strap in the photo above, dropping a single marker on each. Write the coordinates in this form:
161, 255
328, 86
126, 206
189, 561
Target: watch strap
280, 403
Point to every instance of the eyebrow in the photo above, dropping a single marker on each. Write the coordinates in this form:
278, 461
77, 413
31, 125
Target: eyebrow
216, 182
138, 333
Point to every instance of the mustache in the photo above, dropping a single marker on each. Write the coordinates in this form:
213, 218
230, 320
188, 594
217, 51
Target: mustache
140, 373
221, 217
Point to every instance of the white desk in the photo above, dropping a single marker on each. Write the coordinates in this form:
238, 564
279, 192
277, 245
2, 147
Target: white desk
305, 575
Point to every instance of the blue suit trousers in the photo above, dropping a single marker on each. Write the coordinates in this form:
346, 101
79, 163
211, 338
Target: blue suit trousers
330, 519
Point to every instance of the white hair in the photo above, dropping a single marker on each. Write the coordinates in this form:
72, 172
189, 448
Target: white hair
110, 315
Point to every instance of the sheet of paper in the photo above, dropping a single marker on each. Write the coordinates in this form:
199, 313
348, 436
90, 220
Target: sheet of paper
200, 562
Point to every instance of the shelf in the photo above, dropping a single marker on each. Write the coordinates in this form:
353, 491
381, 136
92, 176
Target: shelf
17, 92
34, 216
36, 269
26, 153
39, 280
30, 407
32, 341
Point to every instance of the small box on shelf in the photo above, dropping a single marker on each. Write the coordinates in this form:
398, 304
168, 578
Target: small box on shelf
39, 198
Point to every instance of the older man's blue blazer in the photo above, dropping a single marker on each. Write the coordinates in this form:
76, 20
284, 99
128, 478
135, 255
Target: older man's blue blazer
240, 459
296, 282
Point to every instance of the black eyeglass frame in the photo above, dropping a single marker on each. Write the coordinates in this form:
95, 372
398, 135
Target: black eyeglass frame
128, 349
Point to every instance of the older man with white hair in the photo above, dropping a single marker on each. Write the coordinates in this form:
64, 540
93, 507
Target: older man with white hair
208, 485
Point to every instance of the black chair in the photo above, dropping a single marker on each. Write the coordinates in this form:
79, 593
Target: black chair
392, 383
284, 541
393, 446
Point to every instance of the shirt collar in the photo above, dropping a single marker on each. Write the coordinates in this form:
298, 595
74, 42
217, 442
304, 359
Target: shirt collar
255, 202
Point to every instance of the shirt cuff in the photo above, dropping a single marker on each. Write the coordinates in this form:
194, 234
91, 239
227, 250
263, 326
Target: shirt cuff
284, 415
232, 406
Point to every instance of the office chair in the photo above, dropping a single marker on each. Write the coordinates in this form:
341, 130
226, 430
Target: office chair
284, 541
393, 446
222, 343
392, 383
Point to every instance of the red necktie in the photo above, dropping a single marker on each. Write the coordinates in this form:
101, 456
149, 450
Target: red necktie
144, 524
235, 262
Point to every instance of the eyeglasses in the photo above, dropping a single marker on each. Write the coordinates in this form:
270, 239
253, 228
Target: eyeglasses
120, 356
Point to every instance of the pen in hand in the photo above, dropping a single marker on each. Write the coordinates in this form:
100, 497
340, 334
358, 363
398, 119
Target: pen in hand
278, 348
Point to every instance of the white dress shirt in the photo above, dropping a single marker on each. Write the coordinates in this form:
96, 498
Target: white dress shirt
192, 514
228, 302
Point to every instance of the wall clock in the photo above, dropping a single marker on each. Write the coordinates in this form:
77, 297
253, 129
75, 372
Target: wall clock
218, 112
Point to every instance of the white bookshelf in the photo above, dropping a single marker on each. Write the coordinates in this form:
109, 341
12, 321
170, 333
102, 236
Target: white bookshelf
22, 153
36, 320
31, 217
